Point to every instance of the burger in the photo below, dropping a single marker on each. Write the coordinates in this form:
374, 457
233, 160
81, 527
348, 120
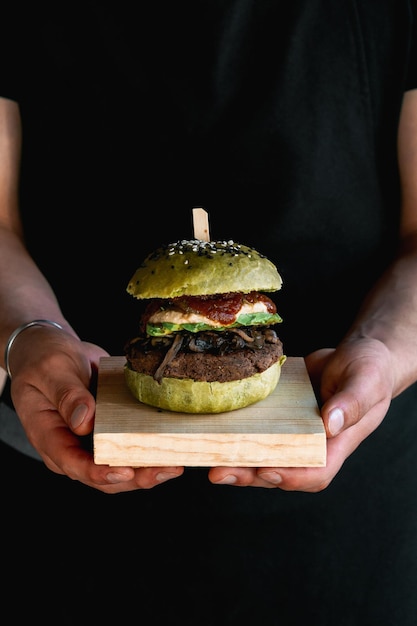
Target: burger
207, 340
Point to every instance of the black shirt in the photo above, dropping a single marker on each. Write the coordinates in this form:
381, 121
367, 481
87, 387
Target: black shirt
280, 119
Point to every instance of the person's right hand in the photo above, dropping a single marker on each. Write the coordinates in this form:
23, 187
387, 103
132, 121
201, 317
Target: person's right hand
51, 389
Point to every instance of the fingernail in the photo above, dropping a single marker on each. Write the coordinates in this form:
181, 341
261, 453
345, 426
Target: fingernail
271, 477
115, 478
163, 476
78, 416
336, 421
230, 479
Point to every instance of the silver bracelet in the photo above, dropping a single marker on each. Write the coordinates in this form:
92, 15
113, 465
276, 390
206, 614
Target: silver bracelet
17, 332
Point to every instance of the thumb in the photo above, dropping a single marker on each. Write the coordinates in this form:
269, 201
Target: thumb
80, 404
82, 416
353, 392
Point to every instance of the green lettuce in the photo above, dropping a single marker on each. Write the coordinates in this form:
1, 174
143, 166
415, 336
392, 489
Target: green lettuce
247, 319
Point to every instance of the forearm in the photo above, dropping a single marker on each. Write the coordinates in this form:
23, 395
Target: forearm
389, 315
25, 294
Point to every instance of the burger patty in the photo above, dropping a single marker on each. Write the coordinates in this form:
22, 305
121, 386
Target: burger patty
207, 356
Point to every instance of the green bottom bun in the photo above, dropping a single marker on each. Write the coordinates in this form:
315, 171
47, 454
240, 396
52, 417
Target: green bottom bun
189, 396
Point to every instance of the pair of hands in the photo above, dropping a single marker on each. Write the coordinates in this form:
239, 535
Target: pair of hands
52, 374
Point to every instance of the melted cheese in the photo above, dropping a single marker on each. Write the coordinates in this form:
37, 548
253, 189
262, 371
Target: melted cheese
178, 317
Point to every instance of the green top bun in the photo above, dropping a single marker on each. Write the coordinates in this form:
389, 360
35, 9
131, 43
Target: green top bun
199, 268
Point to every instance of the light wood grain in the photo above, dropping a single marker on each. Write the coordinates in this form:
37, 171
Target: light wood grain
201, 225
285, 429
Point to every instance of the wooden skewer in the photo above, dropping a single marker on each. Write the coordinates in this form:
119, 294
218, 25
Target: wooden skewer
201, 225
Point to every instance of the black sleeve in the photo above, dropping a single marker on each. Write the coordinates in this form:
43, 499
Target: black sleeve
11, 43
411, 78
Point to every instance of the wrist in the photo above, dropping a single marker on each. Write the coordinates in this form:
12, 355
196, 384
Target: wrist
18, 331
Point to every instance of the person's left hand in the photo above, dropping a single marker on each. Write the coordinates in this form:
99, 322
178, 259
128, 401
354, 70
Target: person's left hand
355, 384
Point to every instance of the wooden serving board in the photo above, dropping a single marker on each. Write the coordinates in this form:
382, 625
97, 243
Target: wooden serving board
284, 430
